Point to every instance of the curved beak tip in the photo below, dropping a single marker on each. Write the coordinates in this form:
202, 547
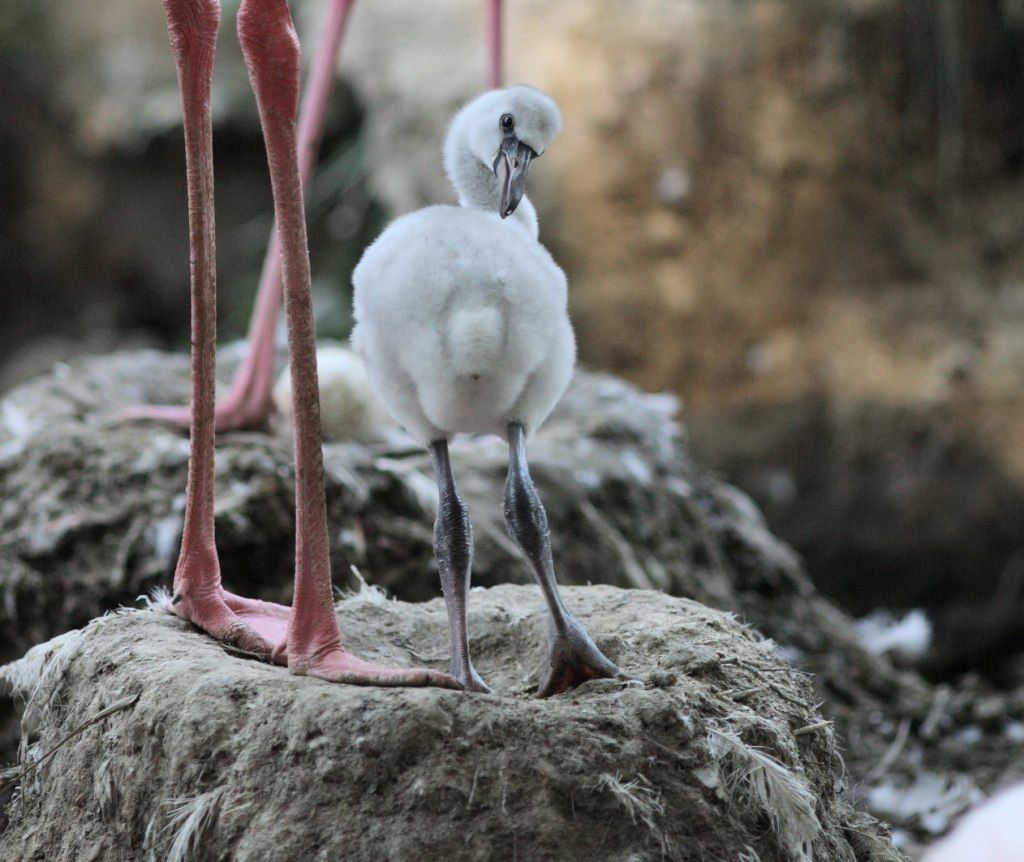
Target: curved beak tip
510, 168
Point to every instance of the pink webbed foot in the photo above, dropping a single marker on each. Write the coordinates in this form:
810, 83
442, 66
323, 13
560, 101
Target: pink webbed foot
338, 665
239, 410
250, 624
261, 628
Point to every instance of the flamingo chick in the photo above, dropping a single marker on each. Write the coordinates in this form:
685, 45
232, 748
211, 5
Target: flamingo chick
461, 318
349, 408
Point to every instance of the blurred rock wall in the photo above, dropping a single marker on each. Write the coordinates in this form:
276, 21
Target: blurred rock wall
93, 211
806, 218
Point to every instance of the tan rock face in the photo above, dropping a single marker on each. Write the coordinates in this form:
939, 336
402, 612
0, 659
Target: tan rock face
746, 196
726, 197
760, 205
700, 141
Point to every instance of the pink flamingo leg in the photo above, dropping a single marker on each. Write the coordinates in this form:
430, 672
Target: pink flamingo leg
248, 403
192, 26
495, 53
271, 50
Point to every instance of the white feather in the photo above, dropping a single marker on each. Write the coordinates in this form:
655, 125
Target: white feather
475, 337
759, 780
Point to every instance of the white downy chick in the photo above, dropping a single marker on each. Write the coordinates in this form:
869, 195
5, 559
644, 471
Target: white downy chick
349, 409
461, 313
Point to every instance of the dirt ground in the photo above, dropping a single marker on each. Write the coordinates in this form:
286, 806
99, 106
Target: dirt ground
90, 512
145, 737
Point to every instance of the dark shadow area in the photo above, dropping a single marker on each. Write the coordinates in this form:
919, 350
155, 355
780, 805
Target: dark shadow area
890, 506
94, 249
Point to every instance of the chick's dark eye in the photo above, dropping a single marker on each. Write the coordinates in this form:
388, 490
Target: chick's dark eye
508, 122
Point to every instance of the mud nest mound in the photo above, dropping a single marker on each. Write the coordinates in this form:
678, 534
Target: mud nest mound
142, 736
91, 510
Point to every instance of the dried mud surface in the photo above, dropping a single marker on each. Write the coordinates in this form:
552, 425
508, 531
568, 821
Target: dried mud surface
235, 759
91, 509
90, 513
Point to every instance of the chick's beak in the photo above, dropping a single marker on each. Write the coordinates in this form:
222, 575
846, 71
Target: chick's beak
510, 167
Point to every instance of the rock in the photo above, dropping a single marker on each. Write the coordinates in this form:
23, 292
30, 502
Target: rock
146, 735
891, 506
94, 251
871, 488
757, 205
114, 75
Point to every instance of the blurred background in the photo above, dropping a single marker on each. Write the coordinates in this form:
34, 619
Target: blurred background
805, 218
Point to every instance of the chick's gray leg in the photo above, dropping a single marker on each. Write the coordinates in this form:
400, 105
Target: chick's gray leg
572, 656
453, 547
